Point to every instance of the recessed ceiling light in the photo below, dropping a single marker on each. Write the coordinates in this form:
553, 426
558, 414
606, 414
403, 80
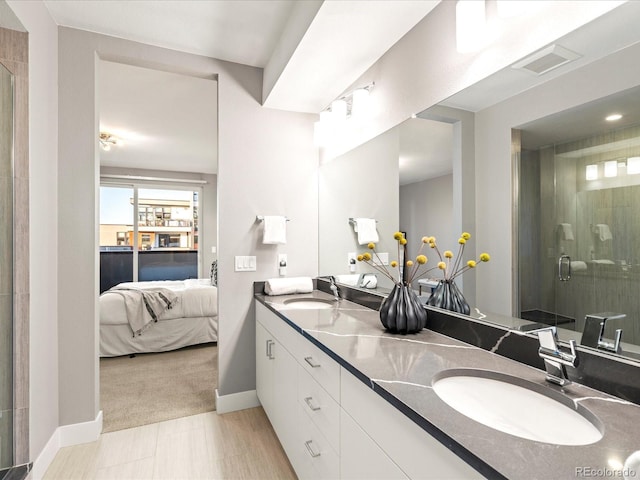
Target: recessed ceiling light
613, 117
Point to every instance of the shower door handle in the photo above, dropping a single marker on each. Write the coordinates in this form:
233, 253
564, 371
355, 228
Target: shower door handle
564, 260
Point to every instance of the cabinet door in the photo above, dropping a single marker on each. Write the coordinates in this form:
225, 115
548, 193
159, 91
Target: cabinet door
361, 457
284, 396
264, 369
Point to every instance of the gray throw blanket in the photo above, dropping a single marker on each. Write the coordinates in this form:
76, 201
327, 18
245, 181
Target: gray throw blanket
144, 306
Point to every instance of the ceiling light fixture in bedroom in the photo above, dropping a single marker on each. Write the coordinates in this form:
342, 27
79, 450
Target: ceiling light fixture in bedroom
108, 140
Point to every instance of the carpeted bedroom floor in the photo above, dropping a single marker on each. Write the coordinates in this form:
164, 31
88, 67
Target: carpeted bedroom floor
153, 387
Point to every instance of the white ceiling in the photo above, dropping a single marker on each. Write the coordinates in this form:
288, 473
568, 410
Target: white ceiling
166, 121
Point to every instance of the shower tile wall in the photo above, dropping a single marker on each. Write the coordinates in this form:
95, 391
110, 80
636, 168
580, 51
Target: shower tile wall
14, 57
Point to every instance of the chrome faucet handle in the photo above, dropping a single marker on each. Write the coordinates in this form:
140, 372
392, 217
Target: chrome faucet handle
556, 361
593, 333
613, 346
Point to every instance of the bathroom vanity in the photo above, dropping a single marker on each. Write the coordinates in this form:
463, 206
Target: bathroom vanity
348, 400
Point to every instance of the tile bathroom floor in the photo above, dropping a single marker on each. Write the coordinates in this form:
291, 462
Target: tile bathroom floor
236, 445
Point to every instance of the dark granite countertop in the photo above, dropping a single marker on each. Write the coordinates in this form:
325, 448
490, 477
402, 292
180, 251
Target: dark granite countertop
402, 368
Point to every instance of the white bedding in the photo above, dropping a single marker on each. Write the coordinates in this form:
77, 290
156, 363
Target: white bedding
193, 319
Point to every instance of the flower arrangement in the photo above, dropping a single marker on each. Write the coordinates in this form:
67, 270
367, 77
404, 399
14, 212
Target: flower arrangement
413, 269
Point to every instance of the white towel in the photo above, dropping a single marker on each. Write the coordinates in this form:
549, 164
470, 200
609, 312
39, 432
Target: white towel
350, 279
366, 230
566, 231
577, 265
603, 231
286, 286
275, 230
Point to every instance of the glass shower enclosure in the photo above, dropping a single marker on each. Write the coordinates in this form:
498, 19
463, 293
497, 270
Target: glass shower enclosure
6, 270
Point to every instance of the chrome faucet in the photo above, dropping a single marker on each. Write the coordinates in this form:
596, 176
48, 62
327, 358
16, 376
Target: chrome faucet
333, 287
555, 361
592, 335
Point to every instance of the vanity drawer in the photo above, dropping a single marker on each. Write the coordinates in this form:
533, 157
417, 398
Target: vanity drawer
320, 407
319, 459
322, 368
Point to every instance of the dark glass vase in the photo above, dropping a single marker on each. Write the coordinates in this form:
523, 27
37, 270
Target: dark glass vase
402, 312
447, 295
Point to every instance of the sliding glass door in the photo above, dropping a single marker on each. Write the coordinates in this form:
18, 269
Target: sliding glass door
147, 234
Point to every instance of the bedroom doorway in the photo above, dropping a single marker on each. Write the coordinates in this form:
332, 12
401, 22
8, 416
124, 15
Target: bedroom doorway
158, 149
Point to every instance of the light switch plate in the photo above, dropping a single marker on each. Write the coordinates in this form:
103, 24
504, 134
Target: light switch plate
245, 263
381, 259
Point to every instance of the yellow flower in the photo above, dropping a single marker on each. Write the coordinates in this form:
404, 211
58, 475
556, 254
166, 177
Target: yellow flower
448, 254
394, 264
398, 235
462, 241
366, 256
360, 257
371, 246
432, 244
442, 265
484, 257
421, 259
409, 263
466, 235
403, 241
432, 240
471, 263
426, 239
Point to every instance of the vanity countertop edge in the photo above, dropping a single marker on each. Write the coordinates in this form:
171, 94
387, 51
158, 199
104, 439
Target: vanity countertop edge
403, 377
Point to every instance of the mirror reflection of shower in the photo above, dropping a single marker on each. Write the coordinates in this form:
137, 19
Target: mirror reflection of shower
578, 192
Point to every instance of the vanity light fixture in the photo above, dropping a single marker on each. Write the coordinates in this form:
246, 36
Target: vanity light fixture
592, 172
611, 168
352, 105
108, 140
614, 117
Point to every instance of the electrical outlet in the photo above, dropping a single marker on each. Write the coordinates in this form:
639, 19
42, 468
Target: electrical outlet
282, 264
351, 260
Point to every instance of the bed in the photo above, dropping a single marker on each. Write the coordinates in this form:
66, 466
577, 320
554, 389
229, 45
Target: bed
191, 320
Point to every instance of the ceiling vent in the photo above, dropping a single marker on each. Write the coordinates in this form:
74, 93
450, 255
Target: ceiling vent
546, 60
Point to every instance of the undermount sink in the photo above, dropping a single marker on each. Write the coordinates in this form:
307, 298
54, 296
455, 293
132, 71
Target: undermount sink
518, 407
310, 303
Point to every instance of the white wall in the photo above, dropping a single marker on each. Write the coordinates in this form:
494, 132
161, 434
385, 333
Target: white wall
493, 160
43, 191
426, 209
267, 165
360, 183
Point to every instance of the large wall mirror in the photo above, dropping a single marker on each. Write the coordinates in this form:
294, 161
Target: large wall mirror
567, 220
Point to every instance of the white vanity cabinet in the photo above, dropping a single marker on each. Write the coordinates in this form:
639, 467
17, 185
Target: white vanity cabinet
290, 374
333, 426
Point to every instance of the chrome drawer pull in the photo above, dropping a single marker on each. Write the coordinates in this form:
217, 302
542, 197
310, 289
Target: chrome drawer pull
309, 402
311, 362
269, 351
310, 449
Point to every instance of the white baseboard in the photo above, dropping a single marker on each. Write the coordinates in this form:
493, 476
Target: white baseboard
65, 436
236, 401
